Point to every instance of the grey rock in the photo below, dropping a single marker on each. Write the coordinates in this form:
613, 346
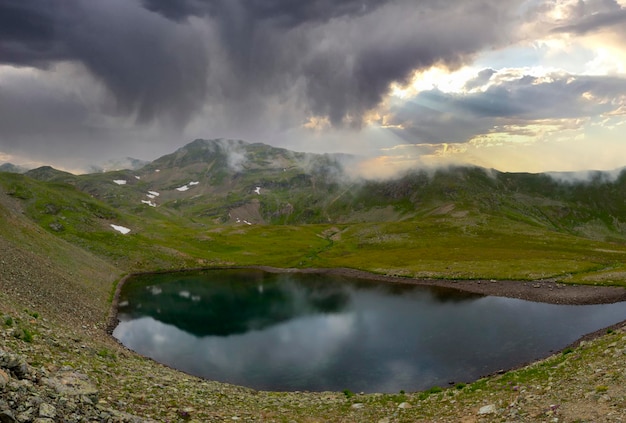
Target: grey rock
56, 226
26, 416
47, 410
73, 384
7, 417
14, 363
4, 379
487, 409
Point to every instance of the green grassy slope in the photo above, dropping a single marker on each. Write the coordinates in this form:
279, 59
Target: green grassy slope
457, 223
40, 271
60, 259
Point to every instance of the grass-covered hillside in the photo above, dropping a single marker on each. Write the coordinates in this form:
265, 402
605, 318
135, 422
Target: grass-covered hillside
229, 202
215, 203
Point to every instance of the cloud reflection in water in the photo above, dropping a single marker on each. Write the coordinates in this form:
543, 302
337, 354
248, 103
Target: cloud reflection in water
340, 334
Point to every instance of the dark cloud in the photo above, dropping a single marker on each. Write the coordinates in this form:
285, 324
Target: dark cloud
481, 79
52, 126
170, 60
595, 22
29, 33
155, 69
288, 13
593, 15
349, 65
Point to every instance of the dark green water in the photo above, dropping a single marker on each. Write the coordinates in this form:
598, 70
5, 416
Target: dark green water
319, 332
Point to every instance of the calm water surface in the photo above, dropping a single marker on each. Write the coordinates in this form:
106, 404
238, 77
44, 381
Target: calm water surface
320, 332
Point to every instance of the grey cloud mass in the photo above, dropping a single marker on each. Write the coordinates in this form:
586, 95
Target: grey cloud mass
434, 116
28, 33
153, 68
172, 61
593, 16
286, 13
95, 76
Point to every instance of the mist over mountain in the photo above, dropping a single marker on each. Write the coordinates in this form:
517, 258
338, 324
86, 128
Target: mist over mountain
11, 168
239, 183
117, 164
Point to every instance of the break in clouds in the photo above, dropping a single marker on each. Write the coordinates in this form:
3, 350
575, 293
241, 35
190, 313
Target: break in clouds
130, 76
518, 102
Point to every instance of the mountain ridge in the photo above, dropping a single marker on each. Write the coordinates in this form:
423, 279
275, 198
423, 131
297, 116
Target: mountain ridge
221, 179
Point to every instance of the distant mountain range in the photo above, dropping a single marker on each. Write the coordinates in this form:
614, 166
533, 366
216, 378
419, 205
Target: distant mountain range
126, 163
11, 168
237, 182
223, 202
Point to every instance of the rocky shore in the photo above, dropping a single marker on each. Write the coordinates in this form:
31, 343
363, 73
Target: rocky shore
546, 291
51, 374
52, 370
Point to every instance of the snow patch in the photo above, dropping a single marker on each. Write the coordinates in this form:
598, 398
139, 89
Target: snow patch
187, 186
137, 177
151, 195
120, 229
120, 181
257, 190
247, 223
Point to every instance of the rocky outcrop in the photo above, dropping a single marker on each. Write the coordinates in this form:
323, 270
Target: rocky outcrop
30, 395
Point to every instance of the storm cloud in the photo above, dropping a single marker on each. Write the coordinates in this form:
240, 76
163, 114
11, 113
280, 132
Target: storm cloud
106, 79
152, 67
285, 13
167, 60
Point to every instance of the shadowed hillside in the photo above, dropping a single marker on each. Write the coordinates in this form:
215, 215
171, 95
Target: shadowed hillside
43, 272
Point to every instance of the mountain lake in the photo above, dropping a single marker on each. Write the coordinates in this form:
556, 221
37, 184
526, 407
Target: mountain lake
320, 332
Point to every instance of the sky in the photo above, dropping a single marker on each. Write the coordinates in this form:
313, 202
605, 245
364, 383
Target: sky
515, 85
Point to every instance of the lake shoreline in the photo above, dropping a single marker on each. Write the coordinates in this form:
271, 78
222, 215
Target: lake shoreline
544, 291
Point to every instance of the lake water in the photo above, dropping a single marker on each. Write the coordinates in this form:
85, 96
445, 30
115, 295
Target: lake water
319, 332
